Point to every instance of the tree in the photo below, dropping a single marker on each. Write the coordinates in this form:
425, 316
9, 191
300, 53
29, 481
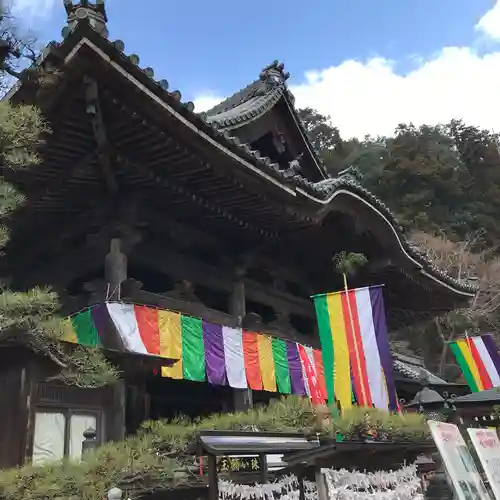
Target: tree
348, 264
31, 316
480, 154
335, 153
435, 178
16, 51
458, 259
421, 176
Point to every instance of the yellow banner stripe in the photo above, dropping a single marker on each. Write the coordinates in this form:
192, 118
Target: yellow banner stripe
169, 324
465, 349
68, 333
341, 363
266, 362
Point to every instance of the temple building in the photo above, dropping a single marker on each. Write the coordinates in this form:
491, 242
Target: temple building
227, 215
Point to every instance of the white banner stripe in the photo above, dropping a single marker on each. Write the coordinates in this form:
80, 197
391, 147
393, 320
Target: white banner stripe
304, 372
487, 361
233, 357
370, 348
310, 357
123, 317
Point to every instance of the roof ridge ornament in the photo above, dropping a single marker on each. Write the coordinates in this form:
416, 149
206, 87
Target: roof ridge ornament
352, 172
93, 13
274, 75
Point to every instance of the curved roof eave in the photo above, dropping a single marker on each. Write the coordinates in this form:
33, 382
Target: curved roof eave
321, 193
246, 112
419, 261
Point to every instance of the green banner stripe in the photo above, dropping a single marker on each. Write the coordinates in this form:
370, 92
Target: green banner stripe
326, 338
193, 349
455, 349
281, 366
86, 332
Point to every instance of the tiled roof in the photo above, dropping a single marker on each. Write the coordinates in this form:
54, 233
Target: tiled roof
236, 99
487, 396
247, 110
319, 192
256, 100
415, 372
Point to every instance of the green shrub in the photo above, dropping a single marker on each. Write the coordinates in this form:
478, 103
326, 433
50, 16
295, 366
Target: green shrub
149, 460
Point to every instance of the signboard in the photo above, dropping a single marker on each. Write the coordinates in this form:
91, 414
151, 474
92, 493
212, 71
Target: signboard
238, 464
458, 461
230, 464
487, 446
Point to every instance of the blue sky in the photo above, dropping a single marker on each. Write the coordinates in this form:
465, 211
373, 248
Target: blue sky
209, 49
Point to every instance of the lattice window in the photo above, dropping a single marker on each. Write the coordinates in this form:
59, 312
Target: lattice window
58, 433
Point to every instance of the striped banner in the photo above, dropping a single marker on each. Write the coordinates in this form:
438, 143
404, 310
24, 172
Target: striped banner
205, 351
353, 333
479, 361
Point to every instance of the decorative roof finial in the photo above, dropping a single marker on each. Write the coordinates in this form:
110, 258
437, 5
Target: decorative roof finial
92, 12
274, 74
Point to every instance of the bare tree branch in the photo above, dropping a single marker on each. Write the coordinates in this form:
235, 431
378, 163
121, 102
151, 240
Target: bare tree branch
457, 260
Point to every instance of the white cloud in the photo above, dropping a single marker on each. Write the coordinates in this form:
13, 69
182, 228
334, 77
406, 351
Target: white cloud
489, 24
369, 97
206, 101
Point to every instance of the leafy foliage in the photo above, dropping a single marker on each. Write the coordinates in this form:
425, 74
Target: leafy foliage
290, 414
348, 264
442, 178
160, 456
443, 184
133, 464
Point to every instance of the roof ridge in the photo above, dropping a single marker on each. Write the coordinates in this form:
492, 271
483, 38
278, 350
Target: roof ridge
264, 103
215, 111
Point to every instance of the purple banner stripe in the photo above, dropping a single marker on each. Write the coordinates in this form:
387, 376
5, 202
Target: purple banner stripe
380, 324
214, 354
101, 319
489, 342
295, 367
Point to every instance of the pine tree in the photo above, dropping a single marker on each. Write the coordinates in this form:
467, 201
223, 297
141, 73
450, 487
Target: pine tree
30, 317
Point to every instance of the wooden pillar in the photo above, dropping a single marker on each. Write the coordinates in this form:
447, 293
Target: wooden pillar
237, 308
213, 479
25, 415
321, 484
118, 418
115, 269
300, 477
264, 471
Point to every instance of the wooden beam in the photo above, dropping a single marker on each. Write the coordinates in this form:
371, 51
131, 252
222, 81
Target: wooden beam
104, 154
165, 302
157, 217
55, 186
182, 267
158, 178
